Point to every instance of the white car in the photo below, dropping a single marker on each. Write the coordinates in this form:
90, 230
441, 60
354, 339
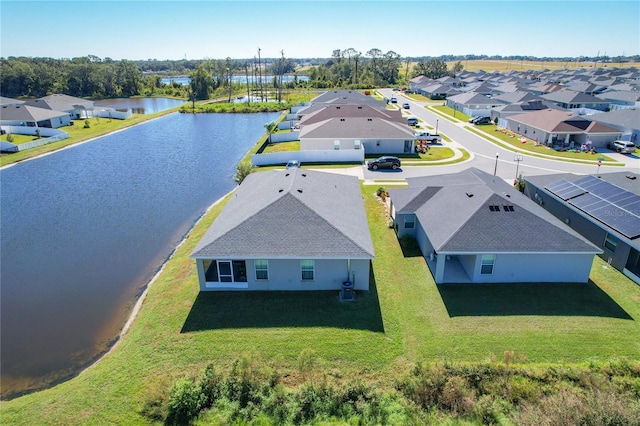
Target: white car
623, 147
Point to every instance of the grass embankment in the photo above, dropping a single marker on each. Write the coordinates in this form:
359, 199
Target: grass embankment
241, 107
78, 133
403, 319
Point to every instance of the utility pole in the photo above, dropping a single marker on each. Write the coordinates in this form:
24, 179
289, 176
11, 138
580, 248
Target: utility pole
517, 158
260, 76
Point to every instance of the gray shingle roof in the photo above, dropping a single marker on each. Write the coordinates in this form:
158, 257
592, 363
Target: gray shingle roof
457, 217
292, 214
28, 113
357, 127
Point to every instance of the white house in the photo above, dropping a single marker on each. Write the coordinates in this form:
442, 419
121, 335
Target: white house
475, 228
374, 135
295, 229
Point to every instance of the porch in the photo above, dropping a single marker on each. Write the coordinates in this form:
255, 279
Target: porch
453, 271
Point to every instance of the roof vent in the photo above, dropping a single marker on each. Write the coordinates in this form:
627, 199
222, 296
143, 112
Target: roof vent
632, 177
287, 174
280, 190
342, 119
300, 190
304, 175
469, 194
369, 119
337, 107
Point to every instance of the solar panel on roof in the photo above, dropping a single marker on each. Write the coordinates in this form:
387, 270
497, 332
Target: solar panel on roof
565, 189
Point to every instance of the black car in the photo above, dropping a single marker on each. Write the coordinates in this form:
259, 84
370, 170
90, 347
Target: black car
386, 162
482, 120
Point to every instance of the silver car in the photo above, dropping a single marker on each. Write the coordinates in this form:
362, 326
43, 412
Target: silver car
623, 147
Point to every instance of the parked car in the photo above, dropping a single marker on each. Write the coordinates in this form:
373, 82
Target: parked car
293, 164
623, 147
385, 162
429, 137
482, 120
405, 105
412, 121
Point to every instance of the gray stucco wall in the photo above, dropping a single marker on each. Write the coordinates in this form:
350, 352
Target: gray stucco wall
285, 274
370, 146
588, 228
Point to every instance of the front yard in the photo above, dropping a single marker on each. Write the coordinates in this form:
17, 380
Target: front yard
404, 318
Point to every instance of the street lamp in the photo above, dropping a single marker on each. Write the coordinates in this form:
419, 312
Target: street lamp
517, 158
436, 126
495, 169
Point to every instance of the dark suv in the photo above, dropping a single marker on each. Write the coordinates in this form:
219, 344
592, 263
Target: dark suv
481, 120
386, 162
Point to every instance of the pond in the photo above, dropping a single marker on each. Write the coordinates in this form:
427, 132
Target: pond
141, 105
85, 229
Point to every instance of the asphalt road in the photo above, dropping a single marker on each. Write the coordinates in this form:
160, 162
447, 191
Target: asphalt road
484, 153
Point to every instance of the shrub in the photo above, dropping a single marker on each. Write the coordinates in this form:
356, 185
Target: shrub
86, 124
456, 396
9, 137
185, 401
243, 170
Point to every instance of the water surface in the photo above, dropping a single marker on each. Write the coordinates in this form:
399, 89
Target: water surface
85, 229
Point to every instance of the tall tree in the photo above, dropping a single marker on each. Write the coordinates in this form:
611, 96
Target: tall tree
374, 54
433, 68
200, 83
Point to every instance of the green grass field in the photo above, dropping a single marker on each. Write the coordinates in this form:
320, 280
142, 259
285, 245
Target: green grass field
509, 65
404, 318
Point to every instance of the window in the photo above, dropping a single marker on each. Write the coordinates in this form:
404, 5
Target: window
610, 243
307, 269
356, 144
336, 145
210, 270
488, 260
409, 221
225, 271
262, 269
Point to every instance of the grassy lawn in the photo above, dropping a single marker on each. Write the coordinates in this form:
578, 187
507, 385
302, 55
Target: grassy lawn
77, 133
530, 146
282, 147
18, 139
450, 113
404, 318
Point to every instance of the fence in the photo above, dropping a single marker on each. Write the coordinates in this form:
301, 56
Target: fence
332, 156
112, 113
51, 135
284, 137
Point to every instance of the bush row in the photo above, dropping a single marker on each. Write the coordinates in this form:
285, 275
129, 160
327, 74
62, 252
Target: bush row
429, 393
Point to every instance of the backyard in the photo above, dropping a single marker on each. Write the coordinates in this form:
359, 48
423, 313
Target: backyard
403, 319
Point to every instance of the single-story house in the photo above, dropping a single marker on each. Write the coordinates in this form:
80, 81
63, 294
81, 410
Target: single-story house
570, 99
374, 135
436, 90
77, 107
25, 115
332, 111
295, 229
626, 121
4, 101
561, 129
621, 100
473, 227
337, 97
516, 96
605, 209
473, 104
504, 111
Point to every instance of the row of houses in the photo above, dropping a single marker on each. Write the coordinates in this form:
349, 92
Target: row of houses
51, 111
599, 105
301, 229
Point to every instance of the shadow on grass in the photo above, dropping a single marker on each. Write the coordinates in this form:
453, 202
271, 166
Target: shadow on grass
545, 299
268, 309
410, 247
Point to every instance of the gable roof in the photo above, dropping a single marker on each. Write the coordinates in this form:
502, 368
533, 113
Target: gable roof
473, 98
558, 121
357, 127
293, 214
457, 217
332, 111
571, 96
346, 97
28, 113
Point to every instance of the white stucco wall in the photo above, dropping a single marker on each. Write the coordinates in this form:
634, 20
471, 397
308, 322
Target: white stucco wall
285, 274
371, 146
531, 267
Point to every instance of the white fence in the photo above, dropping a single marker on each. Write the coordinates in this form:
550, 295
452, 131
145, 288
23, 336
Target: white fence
112, 113
51, 135
285, 137
342, 156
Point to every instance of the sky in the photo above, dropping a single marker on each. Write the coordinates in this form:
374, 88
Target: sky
156, 29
